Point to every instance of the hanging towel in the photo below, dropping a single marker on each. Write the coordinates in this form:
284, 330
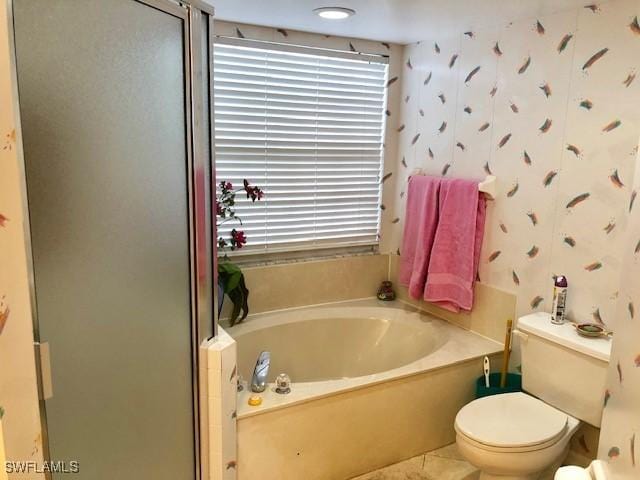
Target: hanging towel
453, 266
421, 220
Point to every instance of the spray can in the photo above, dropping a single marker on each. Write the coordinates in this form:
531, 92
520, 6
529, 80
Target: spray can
558, 311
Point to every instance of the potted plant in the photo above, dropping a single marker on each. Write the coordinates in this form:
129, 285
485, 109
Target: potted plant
230, 277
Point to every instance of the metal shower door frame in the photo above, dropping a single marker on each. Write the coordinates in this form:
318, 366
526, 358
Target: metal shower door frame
201, 198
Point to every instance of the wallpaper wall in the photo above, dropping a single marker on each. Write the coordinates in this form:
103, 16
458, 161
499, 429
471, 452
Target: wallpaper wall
550, 106
621, 420
18, 394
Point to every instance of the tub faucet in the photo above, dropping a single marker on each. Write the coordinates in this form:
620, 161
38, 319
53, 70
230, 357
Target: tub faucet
259, 380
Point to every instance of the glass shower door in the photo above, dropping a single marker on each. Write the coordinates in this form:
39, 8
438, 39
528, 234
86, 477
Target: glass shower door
104, 108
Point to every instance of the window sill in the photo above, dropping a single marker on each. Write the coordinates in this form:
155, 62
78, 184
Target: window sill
254, 258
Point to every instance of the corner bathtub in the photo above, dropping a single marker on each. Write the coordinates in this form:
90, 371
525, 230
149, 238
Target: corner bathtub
373, 383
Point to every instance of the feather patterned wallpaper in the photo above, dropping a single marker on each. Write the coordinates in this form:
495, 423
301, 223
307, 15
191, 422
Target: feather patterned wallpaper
19, 408
550, 106
621, 420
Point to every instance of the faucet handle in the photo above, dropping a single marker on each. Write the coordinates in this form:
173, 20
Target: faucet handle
283, 384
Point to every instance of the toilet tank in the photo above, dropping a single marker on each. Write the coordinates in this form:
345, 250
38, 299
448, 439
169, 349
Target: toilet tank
562, 368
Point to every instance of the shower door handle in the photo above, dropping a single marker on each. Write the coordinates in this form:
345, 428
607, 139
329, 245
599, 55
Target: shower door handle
43, 360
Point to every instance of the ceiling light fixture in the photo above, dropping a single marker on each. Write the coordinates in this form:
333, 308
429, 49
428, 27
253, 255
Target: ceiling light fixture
334, 13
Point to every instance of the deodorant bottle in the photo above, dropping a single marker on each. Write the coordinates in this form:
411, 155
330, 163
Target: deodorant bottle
558, 311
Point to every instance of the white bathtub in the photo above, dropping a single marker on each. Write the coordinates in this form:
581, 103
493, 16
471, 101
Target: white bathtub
372, 383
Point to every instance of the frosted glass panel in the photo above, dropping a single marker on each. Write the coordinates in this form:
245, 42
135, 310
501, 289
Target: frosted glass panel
102, 92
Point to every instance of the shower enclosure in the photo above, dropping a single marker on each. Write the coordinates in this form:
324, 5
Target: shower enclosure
115, 117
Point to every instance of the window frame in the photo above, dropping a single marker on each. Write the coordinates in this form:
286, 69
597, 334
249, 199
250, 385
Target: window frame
265, 251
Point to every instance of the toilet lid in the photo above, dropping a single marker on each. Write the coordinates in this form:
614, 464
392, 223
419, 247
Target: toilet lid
510, 420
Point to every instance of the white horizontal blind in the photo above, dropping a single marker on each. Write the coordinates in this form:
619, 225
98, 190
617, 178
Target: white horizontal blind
307, 129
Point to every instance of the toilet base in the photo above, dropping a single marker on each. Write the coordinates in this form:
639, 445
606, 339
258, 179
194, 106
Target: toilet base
547, 474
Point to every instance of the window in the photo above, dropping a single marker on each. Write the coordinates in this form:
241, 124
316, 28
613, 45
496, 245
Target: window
306, 126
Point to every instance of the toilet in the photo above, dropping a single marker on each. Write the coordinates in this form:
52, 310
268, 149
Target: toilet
525, 435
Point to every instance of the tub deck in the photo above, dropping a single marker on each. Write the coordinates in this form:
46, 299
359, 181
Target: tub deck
460, 346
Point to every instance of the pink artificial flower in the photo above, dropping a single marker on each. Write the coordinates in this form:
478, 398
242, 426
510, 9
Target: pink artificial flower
255, 193
238, 238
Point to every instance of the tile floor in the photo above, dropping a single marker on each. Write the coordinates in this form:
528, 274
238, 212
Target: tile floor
442, 464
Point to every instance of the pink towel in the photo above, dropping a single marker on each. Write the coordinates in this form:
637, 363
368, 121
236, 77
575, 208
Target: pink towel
421, 220
453, 267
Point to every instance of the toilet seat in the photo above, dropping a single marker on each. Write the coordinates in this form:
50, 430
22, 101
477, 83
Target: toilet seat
514, 422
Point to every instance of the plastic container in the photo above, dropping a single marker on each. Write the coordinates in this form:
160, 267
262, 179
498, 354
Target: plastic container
514, 384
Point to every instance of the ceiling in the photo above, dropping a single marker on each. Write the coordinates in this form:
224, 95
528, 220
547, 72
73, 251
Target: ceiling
398, 21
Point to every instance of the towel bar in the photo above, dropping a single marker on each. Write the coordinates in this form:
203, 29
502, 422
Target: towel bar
488, 186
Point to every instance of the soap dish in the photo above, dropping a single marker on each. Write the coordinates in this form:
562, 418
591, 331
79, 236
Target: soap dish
592, 330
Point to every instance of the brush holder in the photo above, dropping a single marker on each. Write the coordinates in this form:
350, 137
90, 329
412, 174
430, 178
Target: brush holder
514, 384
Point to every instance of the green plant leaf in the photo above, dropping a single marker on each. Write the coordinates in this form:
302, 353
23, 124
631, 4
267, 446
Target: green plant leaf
228, 268
233, 281
230, 274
